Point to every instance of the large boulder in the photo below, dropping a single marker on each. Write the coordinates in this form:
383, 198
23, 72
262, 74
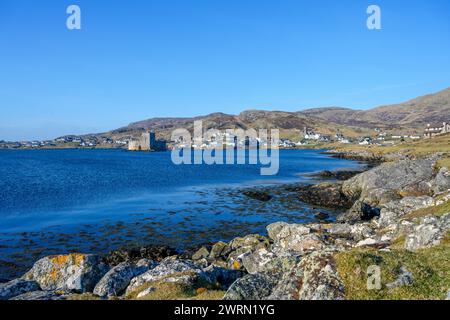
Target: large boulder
442, 181
404, 176
392, 211
116, 280
251, 287
174, 270
294, 238
430, 232
314, 278
73, 272
388, 182
17, 287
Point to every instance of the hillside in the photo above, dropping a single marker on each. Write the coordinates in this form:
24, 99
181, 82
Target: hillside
290, 124
408, 117
411, 115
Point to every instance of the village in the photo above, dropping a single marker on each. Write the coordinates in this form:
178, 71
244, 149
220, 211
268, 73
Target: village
147, 141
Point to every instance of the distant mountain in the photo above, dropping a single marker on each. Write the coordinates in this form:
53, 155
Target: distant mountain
413, 114
409, 116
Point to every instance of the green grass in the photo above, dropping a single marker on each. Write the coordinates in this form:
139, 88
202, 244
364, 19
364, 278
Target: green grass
430, 268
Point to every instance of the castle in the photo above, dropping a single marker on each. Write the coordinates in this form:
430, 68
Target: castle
432, 131
147, 142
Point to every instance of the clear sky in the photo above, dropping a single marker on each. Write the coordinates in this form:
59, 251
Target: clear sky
137, 59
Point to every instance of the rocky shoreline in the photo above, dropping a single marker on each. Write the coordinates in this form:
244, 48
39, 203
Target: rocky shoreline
395, 214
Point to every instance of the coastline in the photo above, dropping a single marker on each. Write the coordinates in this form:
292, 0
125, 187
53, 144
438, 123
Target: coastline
376, 221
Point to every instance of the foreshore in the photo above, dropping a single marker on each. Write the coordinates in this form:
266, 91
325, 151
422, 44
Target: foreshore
396, 218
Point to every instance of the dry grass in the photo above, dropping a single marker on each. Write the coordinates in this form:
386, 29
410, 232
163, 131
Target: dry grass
430, 269
411, 148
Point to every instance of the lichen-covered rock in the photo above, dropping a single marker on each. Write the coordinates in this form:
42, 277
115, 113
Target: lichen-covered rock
392, 211
295, 238
17, 287
73, 272
314, 278
442, 181
405, 278
356, 232
171, 270
201, 253
255, 262
40, 296
243, 246
388, 182
221, 277
274, 229
116, 280
251, 287
220, 250
430, 232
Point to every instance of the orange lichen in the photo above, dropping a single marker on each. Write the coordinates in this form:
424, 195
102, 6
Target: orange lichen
201, 290
59, 261
236, 265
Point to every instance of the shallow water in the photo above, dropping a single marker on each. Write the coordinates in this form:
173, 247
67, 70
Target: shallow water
57, 201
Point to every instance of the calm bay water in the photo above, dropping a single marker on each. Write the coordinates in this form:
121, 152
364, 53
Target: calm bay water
57, 201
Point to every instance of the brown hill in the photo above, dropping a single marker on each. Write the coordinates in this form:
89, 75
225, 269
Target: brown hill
413, 114
410, 116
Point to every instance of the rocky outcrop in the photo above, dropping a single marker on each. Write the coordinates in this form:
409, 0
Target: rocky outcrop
341, 175
430, 232
251, 287
441, 182
388, 182
72, 273
392, 211
294, 238
315, 278
17, 287
325, 194
116, 280
40, 296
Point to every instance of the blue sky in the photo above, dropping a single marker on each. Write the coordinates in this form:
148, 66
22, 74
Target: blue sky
134, 59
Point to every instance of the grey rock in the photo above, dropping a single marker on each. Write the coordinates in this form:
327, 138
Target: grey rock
200, 254
257, 260
171, 270
40, 296
146, 292
221, 276
116, 280
428, 233
73, 272
295, 238
314, 278
17, 287
251, 287
386, 182
405, 278
219, 250
392, 211
274, 229
442, 181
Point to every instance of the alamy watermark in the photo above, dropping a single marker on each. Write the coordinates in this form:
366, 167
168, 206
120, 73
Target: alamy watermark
73, 22
232, 146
